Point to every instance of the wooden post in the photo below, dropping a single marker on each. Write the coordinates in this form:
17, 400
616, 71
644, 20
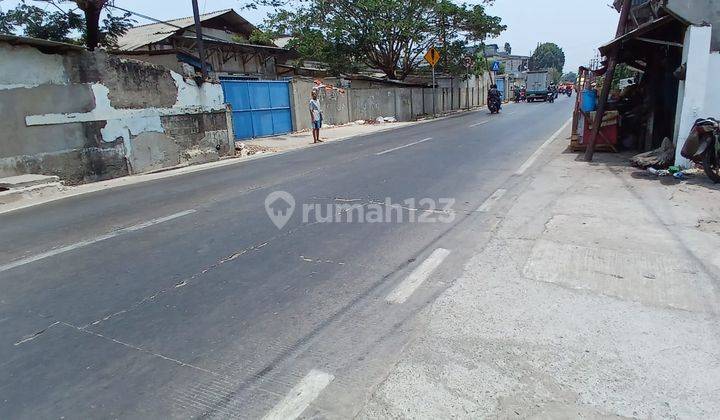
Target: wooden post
578, 101
199, 37
597, 123
607, 84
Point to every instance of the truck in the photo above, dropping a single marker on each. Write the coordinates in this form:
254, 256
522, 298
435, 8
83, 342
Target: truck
537, 86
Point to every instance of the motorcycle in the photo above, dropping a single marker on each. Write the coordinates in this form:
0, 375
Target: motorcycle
494, 105
569, 92
551, 97
703, 146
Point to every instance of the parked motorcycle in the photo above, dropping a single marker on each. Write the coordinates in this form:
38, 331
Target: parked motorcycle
703, 146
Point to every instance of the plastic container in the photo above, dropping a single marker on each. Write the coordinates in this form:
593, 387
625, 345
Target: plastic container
589, 100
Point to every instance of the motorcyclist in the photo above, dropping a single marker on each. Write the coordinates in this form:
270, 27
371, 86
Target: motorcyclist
516, 92
494, 95
554, 89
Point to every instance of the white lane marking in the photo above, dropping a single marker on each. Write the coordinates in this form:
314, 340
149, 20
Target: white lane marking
97, 239
301, 396
537, 153
487, 204
480, 123
405, 289
402, 147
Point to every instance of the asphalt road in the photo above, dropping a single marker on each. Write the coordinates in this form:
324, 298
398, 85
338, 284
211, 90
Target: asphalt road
180, 297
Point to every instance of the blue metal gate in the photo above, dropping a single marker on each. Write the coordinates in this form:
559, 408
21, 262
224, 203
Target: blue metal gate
501, 86
260, 107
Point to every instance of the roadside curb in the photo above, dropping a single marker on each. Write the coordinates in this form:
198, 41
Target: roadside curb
89, 188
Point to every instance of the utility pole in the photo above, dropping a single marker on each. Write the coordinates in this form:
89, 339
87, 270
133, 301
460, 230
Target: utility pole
199, 36
433, 90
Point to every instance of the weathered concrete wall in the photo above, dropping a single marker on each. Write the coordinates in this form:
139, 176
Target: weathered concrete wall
712, 93
88, 116
169, 61
700, 12
693, 90
300, 91
368, 104
336, 109
403, 103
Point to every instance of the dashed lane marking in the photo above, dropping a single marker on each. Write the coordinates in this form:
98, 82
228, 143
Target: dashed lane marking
494, 198
402, 147
301, 396
405, 289
95, 240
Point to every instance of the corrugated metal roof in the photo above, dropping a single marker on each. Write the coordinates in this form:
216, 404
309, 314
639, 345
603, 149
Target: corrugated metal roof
36, 42
142, 35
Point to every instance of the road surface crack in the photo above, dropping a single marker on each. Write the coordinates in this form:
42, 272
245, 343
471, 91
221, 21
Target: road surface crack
35, 334
138, 348
190, 280
320, 261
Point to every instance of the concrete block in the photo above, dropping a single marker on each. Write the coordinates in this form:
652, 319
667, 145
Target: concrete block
28, 180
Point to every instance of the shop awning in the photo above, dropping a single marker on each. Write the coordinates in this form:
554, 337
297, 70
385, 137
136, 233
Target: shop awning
638, 32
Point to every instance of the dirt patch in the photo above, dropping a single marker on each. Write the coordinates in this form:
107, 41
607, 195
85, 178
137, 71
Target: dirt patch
244, 149
709, 226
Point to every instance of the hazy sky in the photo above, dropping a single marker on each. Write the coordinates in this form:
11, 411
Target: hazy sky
579, 27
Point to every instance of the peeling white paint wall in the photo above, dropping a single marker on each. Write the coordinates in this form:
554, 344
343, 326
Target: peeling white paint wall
30, 68
90, 118
124, 124
712, 93
693, 90
191, 99
208, 97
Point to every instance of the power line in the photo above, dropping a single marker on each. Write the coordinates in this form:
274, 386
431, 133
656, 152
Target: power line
186, 28
166, 23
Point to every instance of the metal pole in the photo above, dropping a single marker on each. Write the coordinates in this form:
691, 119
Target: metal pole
434, 94
199, 36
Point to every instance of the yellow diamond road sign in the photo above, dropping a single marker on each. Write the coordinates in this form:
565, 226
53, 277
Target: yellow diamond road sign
432, 56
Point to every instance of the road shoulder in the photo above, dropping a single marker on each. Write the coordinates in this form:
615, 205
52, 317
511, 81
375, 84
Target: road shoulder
597, 296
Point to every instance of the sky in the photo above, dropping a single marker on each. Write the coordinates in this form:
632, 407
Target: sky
577, 26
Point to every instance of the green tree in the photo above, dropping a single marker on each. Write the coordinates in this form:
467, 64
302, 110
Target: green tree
95, 27
570, 77
546, 56
508, 48
258, 37
622, 71
36, 22
6, 26
554, 75
390, 35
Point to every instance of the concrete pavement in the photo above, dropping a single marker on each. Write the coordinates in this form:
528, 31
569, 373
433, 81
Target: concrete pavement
596, 296
180, 298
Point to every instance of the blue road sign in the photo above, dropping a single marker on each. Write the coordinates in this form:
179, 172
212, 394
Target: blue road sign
496, 66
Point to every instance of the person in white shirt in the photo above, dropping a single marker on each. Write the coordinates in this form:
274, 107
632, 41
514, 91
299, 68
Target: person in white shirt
316, 117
